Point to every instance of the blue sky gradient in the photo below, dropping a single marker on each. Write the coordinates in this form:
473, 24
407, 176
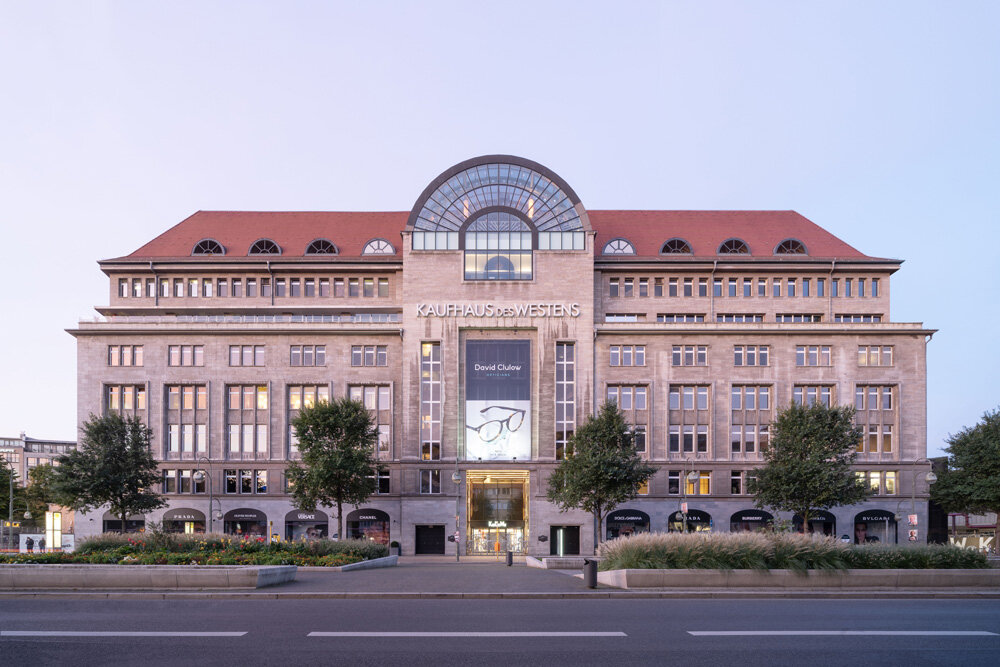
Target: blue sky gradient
878, 121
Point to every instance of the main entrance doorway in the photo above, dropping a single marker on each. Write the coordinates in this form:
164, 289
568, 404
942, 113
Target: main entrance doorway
497, 511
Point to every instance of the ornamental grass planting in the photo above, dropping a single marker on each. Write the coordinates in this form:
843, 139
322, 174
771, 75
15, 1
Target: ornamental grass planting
775, 551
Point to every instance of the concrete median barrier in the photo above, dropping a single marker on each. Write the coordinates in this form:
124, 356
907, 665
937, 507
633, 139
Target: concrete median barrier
845, 579
47, 577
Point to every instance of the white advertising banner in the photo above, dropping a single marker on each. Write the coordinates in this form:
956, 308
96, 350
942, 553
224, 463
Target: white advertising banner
498, 400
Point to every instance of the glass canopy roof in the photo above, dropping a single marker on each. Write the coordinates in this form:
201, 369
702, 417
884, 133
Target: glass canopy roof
497, 184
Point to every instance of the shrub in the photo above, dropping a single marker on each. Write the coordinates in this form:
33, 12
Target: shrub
763, 551
158, 548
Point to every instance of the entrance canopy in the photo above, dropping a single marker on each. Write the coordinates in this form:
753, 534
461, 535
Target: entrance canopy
752, 516
245, 514
693, 515
628, 516
875, 515
183, 514
368, 515
302, 516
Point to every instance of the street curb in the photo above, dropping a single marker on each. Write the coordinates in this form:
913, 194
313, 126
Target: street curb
581, 595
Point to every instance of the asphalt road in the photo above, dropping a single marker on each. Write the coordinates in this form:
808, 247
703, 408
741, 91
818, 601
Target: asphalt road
269, 632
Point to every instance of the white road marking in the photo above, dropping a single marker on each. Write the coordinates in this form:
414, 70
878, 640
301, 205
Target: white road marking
841, 633
467, 634
112, 633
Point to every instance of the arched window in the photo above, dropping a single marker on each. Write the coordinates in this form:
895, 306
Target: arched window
734, 247
378, 247
791, 247
208, 247
618, 246
321, 247
264, 247
676, 247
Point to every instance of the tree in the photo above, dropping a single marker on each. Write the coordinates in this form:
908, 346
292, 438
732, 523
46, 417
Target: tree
604, 469
807, 465
337, 442
40, 492
113, 466
971, 480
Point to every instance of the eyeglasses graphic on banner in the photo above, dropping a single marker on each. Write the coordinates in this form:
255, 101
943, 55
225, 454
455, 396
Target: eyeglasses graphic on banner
490, 430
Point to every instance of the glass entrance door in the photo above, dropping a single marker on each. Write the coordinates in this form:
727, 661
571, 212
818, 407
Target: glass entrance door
497, 511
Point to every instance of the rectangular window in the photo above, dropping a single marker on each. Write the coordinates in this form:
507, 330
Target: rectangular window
383, 287
324, 287
169, 481
643, 286
165, 287
809, 394
732, 287
689, 355
295, 287
186, 415
717, 287
565, 398
790, 287
265, 287
736, 482
185, 355
805, 287
369, 287
309, 285
751, 355
307, 355
812, 355
612, 287
821, 287
672, 287
762, 287
628, 286
125, 355
798, 318
657, 286
627, 355
251, 287
747, 287
875, 290
835, 287
222, 287
338, 288
430, 397
848, 287
369, 355
688, 287
353, 287
246, 355
702, 286
178, 288
861, 287
430, 481
775, 286
675, 318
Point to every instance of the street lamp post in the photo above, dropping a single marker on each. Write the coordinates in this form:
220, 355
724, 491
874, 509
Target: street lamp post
457, 478
929, 477
200, 475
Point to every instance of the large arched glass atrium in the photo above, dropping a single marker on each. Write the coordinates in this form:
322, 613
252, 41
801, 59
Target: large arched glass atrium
498, 210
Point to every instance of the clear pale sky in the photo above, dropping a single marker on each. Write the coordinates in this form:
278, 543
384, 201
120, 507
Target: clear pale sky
879, 121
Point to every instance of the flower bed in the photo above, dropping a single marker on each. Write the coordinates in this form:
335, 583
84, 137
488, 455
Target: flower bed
171, 549
775, 551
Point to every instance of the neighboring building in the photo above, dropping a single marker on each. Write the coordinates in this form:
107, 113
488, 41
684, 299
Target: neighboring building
24, 453
481, 328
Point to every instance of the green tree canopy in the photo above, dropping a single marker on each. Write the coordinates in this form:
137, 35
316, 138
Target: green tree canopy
604, 469
40, 491
807, 464
112, 466
337, 442
971, 481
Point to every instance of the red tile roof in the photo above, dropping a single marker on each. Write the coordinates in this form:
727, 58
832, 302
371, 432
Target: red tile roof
706, 230
350, 231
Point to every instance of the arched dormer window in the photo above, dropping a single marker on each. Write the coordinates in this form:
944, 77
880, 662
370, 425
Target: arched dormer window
264, 247
618, 246
208, 247
378, 247
676, 247
791, 247
734, 247
322, 247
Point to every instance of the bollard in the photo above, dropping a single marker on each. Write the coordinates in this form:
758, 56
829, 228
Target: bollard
510, 558
590, 572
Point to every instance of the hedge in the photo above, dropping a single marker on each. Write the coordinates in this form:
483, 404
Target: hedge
775, 551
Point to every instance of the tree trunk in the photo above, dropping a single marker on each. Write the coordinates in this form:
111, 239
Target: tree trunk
597, 529
123, 515
805, 522
340, 523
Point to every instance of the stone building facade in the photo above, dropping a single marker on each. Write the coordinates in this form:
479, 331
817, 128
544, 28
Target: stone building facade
480, 329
